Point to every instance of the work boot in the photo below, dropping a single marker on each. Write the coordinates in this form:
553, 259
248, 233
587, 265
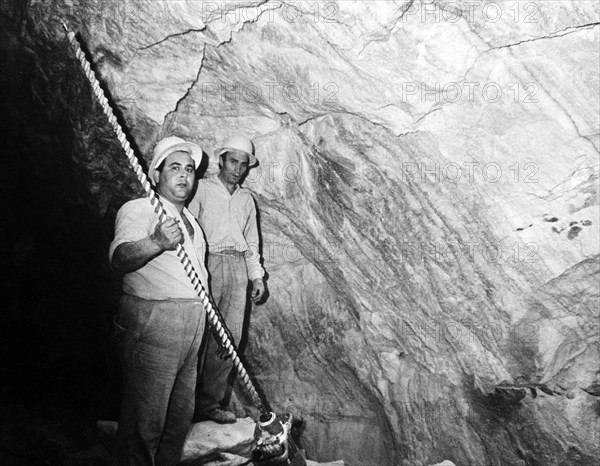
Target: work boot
220, 416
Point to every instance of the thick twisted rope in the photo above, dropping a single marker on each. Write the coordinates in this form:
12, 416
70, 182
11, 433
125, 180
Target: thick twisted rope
214, 319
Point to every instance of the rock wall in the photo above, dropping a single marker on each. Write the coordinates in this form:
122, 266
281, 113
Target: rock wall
428, 197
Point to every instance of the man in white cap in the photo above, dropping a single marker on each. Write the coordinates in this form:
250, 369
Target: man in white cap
227, 214
161, 319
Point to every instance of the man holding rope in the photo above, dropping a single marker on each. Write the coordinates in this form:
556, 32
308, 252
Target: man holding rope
161, 319
227, 214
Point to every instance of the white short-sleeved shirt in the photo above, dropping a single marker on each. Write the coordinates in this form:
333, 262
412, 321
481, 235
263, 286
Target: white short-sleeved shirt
163, 277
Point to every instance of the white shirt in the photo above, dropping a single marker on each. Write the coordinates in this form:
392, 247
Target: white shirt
229, 221
163, 277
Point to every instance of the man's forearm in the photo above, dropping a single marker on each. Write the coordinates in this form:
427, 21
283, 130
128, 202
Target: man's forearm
253, 255
253, 266
128, 257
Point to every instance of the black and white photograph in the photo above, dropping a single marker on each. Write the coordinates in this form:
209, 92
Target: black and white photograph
304, 233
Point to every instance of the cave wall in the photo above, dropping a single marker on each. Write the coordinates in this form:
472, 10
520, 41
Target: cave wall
428, 198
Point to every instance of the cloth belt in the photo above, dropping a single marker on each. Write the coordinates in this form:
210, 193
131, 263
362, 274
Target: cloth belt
229, 252
171, 300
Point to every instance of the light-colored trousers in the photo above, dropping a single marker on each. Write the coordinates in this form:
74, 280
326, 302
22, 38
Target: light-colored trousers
229, 288
158, 345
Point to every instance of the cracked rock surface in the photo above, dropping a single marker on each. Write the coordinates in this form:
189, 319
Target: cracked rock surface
428, 198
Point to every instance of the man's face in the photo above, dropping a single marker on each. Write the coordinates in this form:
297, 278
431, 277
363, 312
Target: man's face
234, 167
176, 180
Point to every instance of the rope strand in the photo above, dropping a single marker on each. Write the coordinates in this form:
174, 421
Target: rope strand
214, 319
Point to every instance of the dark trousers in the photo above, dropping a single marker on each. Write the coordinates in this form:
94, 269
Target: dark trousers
229, 288
159, 345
